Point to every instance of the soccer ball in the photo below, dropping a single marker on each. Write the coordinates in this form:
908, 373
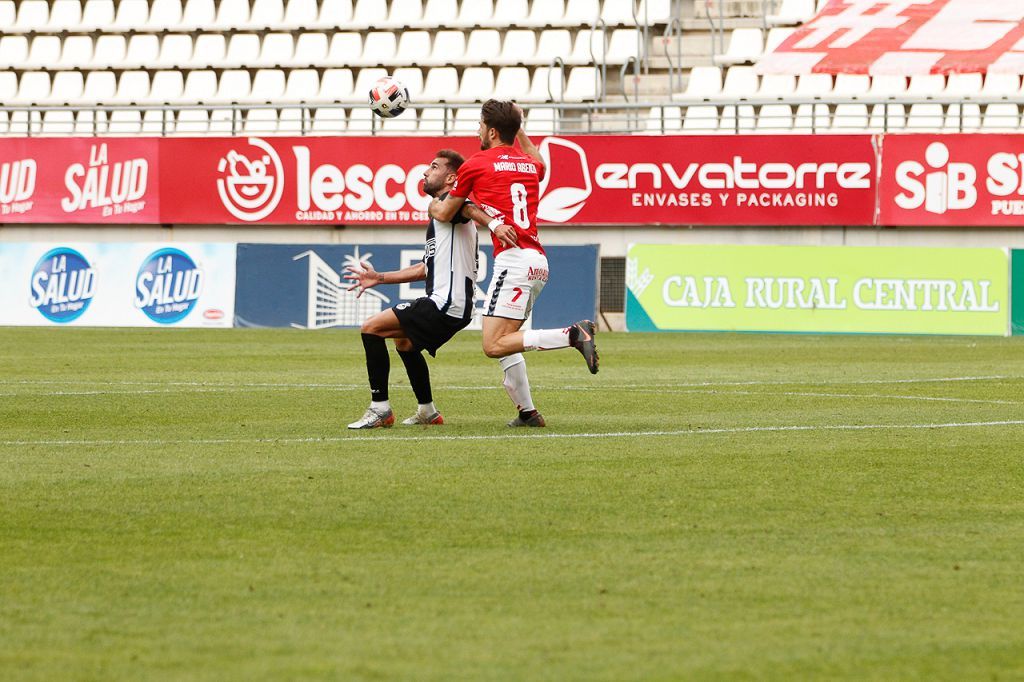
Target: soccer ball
388, 97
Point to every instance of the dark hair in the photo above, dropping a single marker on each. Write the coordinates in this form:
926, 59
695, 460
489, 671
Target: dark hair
453, 158
503, 116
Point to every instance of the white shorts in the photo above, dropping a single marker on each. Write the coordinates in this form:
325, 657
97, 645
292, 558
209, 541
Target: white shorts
518, 278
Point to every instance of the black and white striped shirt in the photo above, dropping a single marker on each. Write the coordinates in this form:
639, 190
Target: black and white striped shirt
450, 255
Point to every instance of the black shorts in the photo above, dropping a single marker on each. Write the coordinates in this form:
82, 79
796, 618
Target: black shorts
426, 326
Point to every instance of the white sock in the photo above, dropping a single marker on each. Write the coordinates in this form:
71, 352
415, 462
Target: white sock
516, 383
426, 410
381, 405
545, 339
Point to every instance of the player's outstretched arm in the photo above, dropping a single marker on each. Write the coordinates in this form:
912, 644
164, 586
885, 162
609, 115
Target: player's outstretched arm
495, 222
366, 277
445, 209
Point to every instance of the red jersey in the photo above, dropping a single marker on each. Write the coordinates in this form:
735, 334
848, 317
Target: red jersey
504, 180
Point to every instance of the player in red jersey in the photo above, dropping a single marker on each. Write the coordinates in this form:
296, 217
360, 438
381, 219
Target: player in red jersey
504, 180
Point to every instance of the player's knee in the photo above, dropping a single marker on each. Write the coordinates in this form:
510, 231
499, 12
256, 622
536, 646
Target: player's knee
370, 326
403, 345
493, 350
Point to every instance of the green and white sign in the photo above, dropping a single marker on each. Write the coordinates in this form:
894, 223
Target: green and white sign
876, 290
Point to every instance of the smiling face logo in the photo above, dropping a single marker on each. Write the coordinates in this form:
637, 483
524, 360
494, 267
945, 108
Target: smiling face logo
250, 189
566, 187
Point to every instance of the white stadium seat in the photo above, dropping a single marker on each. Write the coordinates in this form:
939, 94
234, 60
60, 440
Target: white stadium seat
541, 121
293, 121
67, 87
378, 48
513, 82
362, 121
999, 118
192, 122
467, 121
329, 121
623, 44
268, 86
413, 47
404, 124
700, 119
582, 84
33, 15
231, 14
234, 85
580, 13
58, 122
364, 81
265, 14
164, 15
132, 88
300, 14
142, 51
965, 116
336, 85
369, 14
746, 45
124, 122
472, 14
157, 122
168, 87
1001, 85
925, 118
210, 50
243, 50
97, 15
345, 48
175, 51
518, 47
449, 47
655, 12
226, 122
100, 86
198, 15
618, 14
64, 15
412, 78
13, 51
303, 85
812, 117
543, 14
546, 85
483, 46
109, 52
43, 53
778, 86
33, 88
433, 121
334, 14
552, 43
777, 36
277, 49
404, 13
200, 86
131, 16
664, 119
792, 13
477, 85
588, 48
775, 118
76, 53
90, 122
310, 50
260, 122
442, 84
437, 13
507, 13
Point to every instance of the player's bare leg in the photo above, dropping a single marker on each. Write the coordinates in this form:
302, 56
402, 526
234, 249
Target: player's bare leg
419, 379
500, 333
507, 339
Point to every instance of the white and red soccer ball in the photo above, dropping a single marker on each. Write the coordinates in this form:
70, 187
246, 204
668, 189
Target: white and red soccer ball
388, 97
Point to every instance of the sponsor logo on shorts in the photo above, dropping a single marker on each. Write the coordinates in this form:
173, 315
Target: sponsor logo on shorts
537, 274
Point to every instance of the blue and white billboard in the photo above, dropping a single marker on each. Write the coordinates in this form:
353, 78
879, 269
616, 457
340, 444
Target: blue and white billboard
117, 284
301, 285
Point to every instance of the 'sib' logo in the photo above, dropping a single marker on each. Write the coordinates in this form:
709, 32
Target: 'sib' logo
941, 187
251, 188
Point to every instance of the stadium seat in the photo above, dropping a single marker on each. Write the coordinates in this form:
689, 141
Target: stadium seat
477, 85
100, 86
198, 15
513, 82
231, 14
260, 122
775, 118
310, 50
483, 46
328, 121
700, 119
582, 84
544, 14
552, 43
364, 81
226, 122
65, 15
58, 122
433, 121
738, 118
175, 51
345, 48
547, 85
926, 85
276, 50
124, 122
925, 118
44, 53
404, 13
623, 44
812, 117
8, 85
336, 85
413, 48
234, 85
369, 14
467, 121
776, 36
13, 51
746, 45
24, 123
404, 124
541, 121
265, 15
132, 88
518, 47
142, 51
850, 117
442, 84
210, 50
192, 122
97, 15
67, 87
436, 13
662, 120
334, 14
200, 86
33, 15
473, 14
777, 86
655, 12
157, 122
581, 13
243, 50
965, 116
294, 121
588, 48
33, 87
131, 16
506, 13
164, 15
89, 122
109, 52
303, 85
268, 87
168, 87
999, 118
1001, 85
705, 82
412, 78
449, 47
618, 14
76, 53
300, 14
378, 48
792, 13
362, 121
851, 85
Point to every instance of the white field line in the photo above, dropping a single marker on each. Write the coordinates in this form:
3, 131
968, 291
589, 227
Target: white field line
382, 438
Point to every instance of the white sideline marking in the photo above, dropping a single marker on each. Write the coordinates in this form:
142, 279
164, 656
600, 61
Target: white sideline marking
518, 436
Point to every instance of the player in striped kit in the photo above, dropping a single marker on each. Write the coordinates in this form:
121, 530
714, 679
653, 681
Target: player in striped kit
449, 267
504, 181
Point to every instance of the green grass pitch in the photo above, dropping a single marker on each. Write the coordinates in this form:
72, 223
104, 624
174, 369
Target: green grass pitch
188, 505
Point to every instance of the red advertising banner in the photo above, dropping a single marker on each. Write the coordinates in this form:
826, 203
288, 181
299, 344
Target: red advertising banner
952, 180
905, 37
79, 180
713, 180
